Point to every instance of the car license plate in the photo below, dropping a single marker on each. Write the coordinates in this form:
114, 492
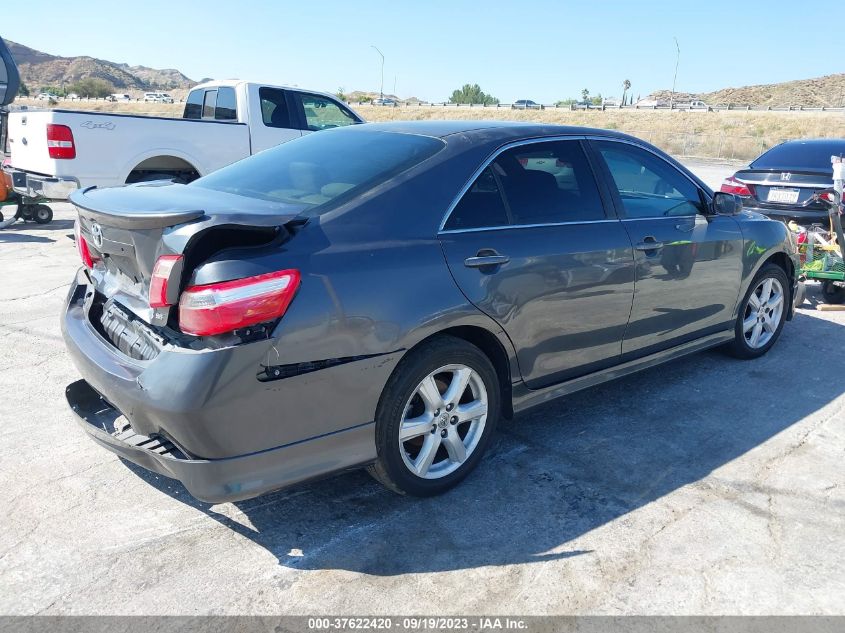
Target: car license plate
788, 196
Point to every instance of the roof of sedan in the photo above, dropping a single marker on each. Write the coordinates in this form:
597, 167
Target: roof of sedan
500, 130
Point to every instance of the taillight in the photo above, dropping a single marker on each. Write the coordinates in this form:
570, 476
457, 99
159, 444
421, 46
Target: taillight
60, 141
230, 305
736, 187
82, 247
162, 272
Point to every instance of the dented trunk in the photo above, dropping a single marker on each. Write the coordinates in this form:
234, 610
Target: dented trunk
127, 229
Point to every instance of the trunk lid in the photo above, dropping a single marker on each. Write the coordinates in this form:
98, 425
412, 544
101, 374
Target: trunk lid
128, 228
779, 189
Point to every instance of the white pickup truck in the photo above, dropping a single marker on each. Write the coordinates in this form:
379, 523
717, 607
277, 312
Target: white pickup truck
54, 152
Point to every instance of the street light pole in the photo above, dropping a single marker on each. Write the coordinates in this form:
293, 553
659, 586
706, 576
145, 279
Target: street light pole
381, 90
677, 61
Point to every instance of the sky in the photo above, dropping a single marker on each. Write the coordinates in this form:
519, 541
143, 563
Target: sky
544, 50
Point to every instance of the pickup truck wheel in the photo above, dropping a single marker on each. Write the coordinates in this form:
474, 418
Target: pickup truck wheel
435, 418
762, 314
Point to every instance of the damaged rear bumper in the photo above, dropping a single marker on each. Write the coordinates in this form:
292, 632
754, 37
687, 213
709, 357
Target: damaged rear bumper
215, 480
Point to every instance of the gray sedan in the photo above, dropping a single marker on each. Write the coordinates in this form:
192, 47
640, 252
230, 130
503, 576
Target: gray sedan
385, 295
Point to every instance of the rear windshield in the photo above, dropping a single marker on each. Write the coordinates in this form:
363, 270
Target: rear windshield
800, 155
322, 166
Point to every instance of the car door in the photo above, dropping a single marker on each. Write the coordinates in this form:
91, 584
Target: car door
688, 260
275, 122
531, 244
317, 112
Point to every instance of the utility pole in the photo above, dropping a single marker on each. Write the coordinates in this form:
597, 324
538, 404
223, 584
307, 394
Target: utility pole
381, 89
677, 61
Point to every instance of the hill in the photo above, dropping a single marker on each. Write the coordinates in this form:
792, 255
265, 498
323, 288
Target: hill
827, 91
39, 70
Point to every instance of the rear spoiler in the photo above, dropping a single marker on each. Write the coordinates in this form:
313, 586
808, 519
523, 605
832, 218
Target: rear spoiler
132, 219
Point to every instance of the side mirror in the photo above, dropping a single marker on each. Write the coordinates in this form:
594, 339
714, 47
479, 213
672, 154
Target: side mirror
9, 77
726, 203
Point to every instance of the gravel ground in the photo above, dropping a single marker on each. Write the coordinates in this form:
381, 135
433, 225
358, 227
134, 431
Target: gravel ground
706, 486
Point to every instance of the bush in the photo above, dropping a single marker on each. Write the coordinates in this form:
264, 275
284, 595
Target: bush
472, 93
92, 87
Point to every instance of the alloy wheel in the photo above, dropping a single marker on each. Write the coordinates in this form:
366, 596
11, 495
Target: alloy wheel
763, 313
443, 421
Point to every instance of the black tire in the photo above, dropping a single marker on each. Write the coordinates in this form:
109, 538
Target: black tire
390, 468
740, 347
42, 214
831, 293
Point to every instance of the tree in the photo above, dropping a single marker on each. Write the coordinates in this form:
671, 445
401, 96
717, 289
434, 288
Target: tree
472, 93
596, 100
585, 95
23, 91
566, 102
92, 87
626, 86
340, 94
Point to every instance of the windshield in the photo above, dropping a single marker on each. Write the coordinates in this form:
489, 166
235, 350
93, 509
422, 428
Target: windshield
812, 155
319, 167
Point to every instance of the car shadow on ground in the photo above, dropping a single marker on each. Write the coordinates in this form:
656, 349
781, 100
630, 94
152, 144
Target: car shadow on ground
555, 472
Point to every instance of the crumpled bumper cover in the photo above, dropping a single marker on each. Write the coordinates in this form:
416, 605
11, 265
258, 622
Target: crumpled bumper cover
217, 480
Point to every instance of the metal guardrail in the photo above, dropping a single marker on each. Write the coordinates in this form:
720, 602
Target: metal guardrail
576, 107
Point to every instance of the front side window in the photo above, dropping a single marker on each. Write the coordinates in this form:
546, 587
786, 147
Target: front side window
209, 104
226, 108
274, 107
322, 113
540, 183
648, 186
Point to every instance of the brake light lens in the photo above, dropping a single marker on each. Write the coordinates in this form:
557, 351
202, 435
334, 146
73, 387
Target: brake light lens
82, 247
736, 187
161, 276
60, 141
231, 305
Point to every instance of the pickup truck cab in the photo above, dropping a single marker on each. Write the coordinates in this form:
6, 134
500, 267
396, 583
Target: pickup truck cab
54, 152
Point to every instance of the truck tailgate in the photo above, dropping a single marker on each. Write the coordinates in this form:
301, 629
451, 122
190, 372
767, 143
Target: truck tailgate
28, 141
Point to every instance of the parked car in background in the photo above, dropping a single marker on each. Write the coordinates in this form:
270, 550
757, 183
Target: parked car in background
58, 151
46, 96
698, 105
158, 97
781, 182
72, 96
119, 96
305, 311
526, 104
384, 101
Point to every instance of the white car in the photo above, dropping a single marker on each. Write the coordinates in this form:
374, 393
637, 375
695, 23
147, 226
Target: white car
159, 97
119, 96
54, 152
46, 96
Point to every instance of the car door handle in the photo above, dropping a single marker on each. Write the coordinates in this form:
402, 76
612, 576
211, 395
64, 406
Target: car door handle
649, 244
486, 258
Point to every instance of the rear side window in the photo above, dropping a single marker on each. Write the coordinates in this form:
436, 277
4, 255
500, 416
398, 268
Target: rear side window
274, 107
317, 168
322, 113
540, 183
193, 106
226, 108
209, 104
798, 155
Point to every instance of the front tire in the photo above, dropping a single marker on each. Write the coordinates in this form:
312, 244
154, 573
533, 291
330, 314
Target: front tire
435, 417
762, 314
42, 214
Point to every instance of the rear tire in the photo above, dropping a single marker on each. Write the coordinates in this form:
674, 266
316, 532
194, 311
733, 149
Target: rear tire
444, 399
762, 314
831, 293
